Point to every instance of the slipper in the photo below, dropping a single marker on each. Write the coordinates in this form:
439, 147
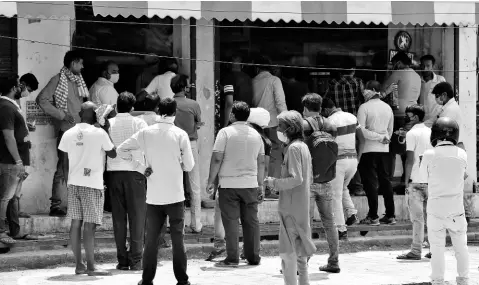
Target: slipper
99, 273
7, 240
80, 271
409, 256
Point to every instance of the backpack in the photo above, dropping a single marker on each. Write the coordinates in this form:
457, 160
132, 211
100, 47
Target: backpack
324, 152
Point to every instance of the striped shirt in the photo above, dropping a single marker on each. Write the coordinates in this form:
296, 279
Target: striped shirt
122, 127
347, 93
346, 125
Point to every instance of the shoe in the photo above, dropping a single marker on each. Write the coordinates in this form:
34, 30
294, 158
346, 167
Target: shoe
225, 263
215, 253
428, 255
57, 212
330, 268
359, 193
387, 220
353, 219
409, 256
343, 235
122, 267
136, 267
370, 222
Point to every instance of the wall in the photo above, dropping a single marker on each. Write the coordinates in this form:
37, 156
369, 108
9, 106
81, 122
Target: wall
44, 61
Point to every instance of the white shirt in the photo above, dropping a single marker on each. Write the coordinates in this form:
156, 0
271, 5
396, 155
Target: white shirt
376, 120
86, 146
168, 152
445, 166
241, 145
103, 92
268, 94
150, 118
161, 85
452, 110
418, 140
122, 127
346, 125
429, 100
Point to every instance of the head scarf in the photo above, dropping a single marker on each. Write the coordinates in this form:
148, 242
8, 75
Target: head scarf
102, 113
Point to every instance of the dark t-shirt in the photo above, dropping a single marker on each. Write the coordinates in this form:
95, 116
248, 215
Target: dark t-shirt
267, 143
293, 92
188, 115
240, 85
11, 119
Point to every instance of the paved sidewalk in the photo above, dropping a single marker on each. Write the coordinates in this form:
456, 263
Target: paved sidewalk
371, 268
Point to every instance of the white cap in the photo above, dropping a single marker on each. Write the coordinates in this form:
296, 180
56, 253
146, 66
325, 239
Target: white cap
259, 116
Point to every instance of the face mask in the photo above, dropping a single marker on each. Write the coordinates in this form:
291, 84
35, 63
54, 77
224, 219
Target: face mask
114, 78
282, 137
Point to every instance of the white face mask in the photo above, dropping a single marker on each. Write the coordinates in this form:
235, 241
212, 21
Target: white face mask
114, 78
282, 137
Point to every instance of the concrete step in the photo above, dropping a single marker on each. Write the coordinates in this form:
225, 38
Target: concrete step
267, 214
269, 231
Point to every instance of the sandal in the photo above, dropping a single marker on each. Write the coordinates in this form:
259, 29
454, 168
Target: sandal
7, 240
409, 256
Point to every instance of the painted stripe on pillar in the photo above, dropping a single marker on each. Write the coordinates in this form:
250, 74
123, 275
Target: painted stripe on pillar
405, 12
230, 10
175, 9
136, 9
358, 12
329, 11
276, 11
455, 12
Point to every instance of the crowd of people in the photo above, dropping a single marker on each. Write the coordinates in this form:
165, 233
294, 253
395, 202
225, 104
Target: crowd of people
144, 148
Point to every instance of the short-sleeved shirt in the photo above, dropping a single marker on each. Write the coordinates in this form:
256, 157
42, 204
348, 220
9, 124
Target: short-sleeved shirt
86, 146
12, 119
452, 110
409, 88
240, 85
188, 115
445, 166
241, 145
418, 140
103, 92
161, 85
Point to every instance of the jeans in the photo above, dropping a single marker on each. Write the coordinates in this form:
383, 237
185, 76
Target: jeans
457, 228
155, 219
128, 200
345, 170
375, 169
292, 265
9, 181
13, 209
322, 195
240, 204
416, 199
194, 176
276, 156
219, 235
60, 178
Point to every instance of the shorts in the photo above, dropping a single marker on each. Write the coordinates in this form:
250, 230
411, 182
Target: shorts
85, 204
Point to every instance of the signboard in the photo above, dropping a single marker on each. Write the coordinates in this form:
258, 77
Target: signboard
34, 113
393, 52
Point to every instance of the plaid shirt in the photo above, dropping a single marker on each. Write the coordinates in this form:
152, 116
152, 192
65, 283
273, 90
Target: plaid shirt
347, 93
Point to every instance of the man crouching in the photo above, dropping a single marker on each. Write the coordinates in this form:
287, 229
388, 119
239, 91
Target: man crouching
85, 146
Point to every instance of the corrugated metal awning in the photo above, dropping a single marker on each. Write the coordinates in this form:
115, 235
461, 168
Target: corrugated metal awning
384, 12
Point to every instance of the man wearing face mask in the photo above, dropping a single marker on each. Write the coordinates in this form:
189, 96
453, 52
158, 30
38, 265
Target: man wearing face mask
61, 99
429, 80
102, 91
444, 94
14, 151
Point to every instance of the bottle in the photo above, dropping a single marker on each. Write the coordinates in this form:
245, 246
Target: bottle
395, 97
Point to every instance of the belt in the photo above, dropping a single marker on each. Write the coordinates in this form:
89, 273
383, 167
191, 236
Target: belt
347, 156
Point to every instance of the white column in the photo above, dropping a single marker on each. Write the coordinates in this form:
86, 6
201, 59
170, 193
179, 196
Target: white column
44, 61
205, 88
468, 96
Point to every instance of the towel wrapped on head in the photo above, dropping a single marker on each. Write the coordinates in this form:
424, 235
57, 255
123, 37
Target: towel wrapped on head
102, 113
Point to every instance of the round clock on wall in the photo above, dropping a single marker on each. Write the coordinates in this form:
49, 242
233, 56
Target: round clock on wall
403, 41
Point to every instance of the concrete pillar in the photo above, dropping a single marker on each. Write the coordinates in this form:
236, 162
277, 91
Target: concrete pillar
44, 61
181, 44
468, 96
205, 88
448, 53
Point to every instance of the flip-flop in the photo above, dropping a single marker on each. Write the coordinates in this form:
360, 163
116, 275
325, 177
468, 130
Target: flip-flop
80, 271
7, 240
98, 273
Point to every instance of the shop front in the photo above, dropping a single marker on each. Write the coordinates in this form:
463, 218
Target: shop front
314, 36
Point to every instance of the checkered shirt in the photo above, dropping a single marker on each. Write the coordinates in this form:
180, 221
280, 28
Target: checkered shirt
347, 93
